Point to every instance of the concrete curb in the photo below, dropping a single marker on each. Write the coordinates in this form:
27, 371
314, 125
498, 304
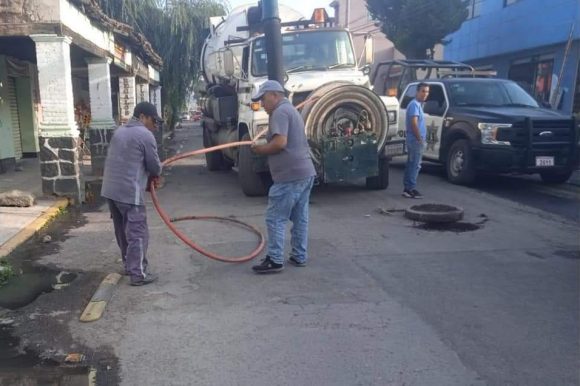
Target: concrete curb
31, 229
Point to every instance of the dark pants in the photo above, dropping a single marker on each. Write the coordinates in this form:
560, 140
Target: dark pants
132, 236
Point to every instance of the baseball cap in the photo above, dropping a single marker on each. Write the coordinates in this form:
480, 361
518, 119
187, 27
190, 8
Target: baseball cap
269, 85
147, 109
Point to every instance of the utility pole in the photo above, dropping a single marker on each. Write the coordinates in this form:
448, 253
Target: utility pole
271, 24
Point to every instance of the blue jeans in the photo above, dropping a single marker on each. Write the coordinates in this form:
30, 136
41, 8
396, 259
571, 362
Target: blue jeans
414, 157
288, 201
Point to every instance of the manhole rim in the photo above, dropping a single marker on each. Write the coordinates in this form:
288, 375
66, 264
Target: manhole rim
453, 215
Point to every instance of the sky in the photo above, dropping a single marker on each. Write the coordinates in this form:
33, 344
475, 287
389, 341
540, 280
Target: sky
306, 7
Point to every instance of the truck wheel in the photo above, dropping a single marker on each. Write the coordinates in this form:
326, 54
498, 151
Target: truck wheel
253, 184
215, 159
380, 182
459, 166
555, 177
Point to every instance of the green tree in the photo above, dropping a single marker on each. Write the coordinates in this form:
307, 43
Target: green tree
176, 31
416, 26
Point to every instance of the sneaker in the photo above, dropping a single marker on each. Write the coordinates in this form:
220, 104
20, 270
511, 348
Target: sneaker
408, 193
292, 260
416, 194
268, 266
150, 278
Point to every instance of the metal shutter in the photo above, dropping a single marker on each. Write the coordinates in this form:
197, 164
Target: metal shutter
13, 104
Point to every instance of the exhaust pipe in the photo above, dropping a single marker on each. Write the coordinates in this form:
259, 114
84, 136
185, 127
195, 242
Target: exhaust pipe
273, 34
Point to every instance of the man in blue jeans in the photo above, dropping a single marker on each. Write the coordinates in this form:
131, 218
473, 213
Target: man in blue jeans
293, 175
416, 132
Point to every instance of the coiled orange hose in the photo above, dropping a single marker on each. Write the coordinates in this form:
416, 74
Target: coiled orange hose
170, 221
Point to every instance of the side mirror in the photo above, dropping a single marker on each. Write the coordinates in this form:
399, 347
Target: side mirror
369, 50
228, 58
366, 70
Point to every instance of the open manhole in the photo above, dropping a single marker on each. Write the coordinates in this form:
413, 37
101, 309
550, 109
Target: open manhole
434, 213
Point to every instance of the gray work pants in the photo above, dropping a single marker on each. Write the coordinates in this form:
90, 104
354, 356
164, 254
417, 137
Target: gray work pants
132, 235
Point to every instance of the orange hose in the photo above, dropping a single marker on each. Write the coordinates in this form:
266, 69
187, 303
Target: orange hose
169, 221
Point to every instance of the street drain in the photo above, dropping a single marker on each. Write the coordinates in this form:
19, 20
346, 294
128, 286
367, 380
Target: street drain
458, 227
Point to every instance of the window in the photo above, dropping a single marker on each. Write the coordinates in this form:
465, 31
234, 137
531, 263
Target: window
435, 103
473, 8
409, 96
488, 93
535, 77
507, 3
307, 51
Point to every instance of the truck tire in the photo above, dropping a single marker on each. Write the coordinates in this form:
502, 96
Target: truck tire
459, 166
556, 177
214, 160
253, 184
380, 182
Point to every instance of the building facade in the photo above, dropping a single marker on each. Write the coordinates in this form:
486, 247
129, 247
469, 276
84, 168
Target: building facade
68, 75
353, 14
533, 42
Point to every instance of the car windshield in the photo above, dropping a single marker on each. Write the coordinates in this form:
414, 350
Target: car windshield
307, 51
490, 94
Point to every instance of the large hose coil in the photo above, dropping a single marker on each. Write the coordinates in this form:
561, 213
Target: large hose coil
342, 109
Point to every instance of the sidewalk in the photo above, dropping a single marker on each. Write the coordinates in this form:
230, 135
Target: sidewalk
19, 224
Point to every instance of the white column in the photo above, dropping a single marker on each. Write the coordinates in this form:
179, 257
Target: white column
100, 93
142, 92
155, 95
126, 97
55, 84
102, 124
59, 135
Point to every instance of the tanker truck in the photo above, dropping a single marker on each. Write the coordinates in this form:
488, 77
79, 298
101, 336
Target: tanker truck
346, 123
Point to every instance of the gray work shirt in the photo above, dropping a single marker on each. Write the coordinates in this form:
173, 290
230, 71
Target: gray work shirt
293, 162
131, 158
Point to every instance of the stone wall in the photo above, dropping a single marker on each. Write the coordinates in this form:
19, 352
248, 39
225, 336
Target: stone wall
59, 166
99, 139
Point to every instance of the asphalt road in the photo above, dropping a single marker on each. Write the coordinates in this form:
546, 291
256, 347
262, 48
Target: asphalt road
382, 301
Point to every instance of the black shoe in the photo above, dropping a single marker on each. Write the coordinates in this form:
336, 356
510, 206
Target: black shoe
416, 194
408, 193
150, 278
268, 266
292, 260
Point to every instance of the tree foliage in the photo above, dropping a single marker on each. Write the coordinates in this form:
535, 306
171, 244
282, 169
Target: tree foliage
176, 31
416, 26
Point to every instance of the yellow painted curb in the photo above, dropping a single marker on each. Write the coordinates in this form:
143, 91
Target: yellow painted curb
31, 229
96, 307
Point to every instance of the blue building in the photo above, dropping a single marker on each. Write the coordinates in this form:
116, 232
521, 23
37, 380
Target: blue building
533, 42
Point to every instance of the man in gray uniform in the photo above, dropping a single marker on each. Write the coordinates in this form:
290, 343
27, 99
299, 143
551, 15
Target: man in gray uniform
293, 174
132, 161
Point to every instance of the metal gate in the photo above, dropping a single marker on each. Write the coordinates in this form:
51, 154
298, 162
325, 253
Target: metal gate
14, 117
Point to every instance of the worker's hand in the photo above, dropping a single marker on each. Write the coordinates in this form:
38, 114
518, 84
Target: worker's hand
156, 181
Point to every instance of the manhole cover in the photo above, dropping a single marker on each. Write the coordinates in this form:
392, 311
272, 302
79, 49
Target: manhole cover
434, 213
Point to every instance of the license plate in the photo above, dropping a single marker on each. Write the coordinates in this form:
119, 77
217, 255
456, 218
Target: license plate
394, 149
544, 161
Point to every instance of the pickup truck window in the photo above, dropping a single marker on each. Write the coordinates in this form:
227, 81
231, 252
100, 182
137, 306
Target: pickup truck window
409, 96
489, 93
435, 103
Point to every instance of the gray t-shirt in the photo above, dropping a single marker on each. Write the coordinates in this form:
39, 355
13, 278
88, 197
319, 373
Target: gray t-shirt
131, 158
293, 162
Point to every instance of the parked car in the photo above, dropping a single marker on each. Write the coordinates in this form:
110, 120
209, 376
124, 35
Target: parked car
184, 117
